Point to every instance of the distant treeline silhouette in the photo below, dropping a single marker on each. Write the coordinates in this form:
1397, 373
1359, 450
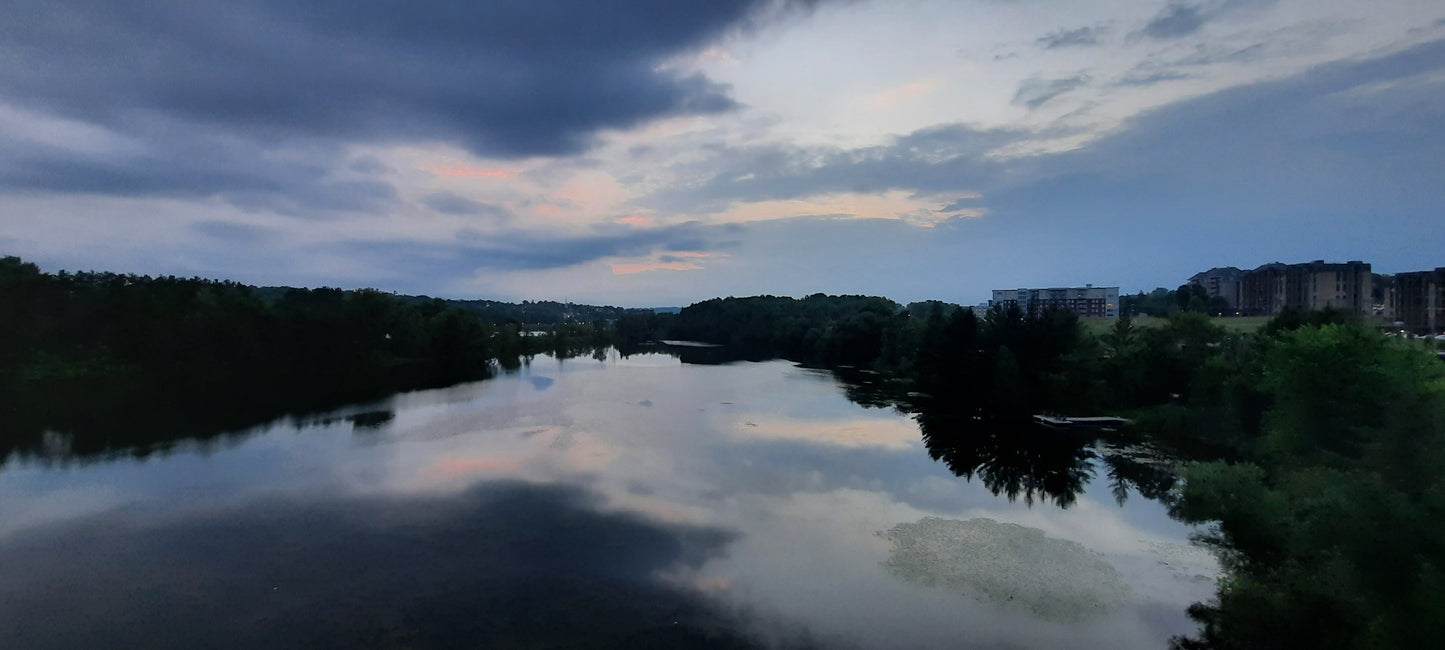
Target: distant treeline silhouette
121, 359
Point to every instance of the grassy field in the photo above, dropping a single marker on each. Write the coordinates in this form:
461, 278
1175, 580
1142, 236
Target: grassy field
1235, 324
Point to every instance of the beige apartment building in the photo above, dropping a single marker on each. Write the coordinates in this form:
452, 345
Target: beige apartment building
1271, 288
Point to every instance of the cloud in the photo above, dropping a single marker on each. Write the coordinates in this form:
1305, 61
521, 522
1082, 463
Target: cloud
480, 172
1309, 133
368, 165
252, 99
1079, 37
1036, 92
472, 252
628, 269
949, 157
448, 203
181, 161
505, 79
230, 231
1182, 17
903, 93
1148, 75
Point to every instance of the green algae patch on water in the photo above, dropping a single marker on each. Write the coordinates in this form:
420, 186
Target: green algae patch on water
1007, 565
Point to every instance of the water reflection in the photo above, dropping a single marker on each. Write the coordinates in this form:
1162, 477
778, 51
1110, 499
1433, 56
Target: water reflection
580, 502
1011, 456
499, 565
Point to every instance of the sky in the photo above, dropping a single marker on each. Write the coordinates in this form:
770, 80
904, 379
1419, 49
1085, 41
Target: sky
657, 153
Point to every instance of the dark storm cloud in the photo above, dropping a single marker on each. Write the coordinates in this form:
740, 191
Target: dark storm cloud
192, 163
522, 250
1080, 37
448, 203
258, 77
506, 79
1182, 17
1034, 93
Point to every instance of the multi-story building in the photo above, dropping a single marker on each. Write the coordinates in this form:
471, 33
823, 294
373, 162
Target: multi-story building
1261, 291
1222, 282
1087, 300
1420, 300
1272, 288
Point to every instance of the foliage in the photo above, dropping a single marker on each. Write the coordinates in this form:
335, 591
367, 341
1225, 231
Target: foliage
1331, 529
1159, 303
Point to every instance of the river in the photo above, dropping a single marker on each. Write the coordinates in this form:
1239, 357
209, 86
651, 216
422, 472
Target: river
624, 502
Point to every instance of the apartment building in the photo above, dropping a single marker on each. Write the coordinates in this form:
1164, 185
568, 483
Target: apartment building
1222, 282
1271, 288
1419, 300
1087, 300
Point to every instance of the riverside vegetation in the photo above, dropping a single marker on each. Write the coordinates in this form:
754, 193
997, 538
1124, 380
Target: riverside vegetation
1313, 446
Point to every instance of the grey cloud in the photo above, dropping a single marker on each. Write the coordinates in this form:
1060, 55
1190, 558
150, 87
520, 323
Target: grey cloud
945, 157
448, 203
514, 250
942, 158
960, 204
506, 79
1177, 19
193, 164
1149, 77
1176, 64
1183, 17
230, 231
1205, 55
1034, 93
1080, 37
368, 165
278, 90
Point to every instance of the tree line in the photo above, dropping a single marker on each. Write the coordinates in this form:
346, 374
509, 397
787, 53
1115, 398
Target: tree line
116, 360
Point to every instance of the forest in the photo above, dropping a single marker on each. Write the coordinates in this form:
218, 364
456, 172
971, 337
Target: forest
148, 354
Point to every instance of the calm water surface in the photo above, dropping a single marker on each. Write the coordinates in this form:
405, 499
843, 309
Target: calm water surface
631, 502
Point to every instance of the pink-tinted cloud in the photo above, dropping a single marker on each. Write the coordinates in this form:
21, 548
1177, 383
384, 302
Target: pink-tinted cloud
634, 220
698, 253
901, 93
483, 172
628, 269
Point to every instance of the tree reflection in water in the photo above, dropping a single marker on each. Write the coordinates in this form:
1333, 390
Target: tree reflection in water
1011, 456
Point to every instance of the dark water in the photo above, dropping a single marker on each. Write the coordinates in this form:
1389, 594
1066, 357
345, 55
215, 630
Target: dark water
634, 502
